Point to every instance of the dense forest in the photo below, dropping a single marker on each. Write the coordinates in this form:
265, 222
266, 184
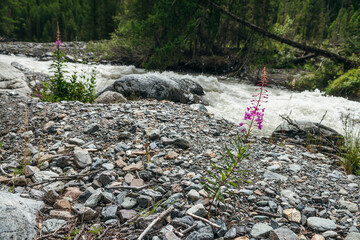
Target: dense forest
195, 33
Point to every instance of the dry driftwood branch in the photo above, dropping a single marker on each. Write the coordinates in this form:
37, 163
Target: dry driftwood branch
203, 219
268, 214
310, 49
3, 172
161, 216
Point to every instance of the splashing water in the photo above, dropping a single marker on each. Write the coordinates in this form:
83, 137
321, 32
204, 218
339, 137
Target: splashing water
228, 98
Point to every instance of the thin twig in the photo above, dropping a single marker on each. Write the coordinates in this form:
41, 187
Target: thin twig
6, 174
203, 219
189, 229
129, 187
81, 231
267, 214
161, 216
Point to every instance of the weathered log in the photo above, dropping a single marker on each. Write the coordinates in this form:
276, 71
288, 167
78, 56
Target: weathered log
347, 62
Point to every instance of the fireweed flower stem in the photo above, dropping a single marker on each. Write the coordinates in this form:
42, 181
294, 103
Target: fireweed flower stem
255, 113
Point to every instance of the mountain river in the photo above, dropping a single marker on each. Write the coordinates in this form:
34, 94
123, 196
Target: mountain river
229, 98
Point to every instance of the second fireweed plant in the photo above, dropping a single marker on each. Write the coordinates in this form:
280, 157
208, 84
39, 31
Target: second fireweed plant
220, 176
57, 88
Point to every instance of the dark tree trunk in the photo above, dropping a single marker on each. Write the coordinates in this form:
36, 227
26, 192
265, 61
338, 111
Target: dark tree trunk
310, 49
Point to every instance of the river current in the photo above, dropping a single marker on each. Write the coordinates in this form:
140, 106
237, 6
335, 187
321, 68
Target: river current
228, 98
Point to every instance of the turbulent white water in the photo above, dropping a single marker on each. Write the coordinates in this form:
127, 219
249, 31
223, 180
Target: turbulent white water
229, 99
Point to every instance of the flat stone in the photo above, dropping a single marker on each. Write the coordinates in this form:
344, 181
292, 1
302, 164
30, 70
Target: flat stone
283, 234
352, 207
92, 128
126, 214
260, 230
290, 196
292, 215
171, 155
198, 210
85, 213
134, 167
330, 234
268, 175
128, 178
61, 214
109, 212
295, 168
128, 203
231, 234
182, 143
321, 224
274, 168
94, 199
17, 216
51, 225
193, 195
137, 182
82, 158
43, 176
30, 170
76, 141
171, 236
206, 233
62, 204
317, 237
72, 192
145, 201
353, 236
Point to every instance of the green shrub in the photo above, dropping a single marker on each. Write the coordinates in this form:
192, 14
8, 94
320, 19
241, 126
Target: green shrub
347, 85
58, 88
351, 148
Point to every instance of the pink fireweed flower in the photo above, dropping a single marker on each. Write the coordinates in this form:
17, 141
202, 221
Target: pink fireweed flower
255, 113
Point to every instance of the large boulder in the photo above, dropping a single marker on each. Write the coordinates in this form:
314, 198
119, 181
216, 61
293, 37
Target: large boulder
12, 79
158, 87
310, 133
17, 216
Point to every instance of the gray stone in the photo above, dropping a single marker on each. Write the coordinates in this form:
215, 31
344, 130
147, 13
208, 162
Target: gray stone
198, 210
158, 87
283, 234
82, 158
13, 80
290, 196
193, 195
109, 212
321, 224
94, 199
353, 236
152, 193
205, 233
51, 225
352, 207
128, 203
119, 199
110, 97
43, 176
198, 107
182, 143
17, 216
231, 234
76, 141
260, 230
92, 128
274, 168
294, 168
145, 201
268, 175
126, 214
330, 234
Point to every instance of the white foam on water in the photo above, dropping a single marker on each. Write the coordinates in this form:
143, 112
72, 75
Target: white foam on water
229, 99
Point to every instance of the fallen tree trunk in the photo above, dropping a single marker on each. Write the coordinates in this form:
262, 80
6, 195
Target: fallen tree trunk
318, 51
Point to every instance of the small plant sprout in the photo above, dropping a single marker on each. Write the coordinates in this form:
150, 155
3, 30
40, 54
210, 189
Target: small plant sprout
96, 230
219, 176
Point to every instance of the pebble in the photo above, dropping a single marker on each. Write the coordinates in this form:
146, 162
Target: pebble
321, 224
260, 230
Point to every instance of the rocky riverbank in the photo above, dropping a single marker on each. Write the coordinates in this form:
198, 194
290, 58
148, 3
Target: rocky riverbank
106, 171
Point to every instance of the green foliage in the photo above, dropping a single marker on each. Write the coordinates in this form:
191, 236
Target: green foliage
220, 176
73, 233
78, 88
351, 147
95, 230
319, 79
347, 85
